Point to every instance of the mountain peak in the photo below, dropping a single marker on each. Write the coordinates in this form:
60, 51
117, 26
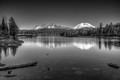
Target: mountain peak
50, 26
83, 25
44, 26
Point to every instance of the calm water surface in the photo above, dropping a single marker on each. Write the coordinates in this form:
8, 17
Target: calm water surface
61, 58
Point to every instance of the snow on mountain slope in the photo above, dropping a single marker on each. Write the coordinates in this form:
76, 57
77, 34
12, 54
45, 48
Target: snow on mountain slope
50, 26
40, 27
84, 25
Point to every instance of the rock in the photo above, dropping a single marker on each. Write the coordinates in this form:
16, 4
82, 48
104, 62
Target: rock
48, 69
113, 65
9, 72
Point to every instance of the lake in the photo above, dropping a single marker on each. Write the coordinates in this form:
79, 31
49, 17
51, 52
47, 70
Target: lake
63, 58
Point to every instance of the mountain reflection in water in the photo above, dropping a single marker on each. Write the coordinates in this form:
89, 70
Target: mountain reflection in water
81, 43
59, 42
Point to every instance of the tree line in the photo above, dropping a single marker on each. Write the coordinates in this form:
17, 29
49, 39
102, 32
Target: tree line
108, 30
8, 29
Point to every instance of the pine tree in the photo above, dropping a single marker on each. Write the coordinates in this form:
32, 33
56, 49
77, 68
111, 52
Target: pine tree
110, 28
13, 28
4, 28
106, 29
100, 28
0, 29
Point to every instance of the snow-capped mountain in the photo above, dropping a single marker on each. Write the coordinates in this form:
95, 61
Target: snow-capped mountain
84, 25
53, 26
50, 26
44, 26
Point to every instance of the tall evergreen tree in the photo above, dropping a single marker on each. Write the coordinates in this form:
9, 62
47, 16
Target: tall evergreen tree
110, 28
13, 28
0, 29
4, 27
105, 30
100, 28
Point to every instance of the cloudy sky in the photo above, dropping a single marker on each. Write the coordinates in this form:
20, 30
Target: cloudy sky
29, 13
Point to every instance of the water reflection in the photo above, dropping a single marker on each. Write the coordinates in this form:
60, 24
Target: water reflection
61, 56
84, 46
8, 51
81, 43
110, 44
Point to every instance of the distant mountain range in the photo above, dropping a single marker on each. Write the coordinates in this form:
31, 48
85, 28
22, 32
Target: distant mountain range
54, 26
50, 26
82, 29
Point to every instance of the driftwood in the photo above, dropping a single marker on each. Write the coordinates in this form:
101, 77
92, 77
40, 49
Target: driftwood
10, 75
113, 65
18, 66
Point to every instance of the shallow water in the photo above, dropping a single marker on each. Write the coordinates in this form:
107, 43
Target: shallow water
62, 58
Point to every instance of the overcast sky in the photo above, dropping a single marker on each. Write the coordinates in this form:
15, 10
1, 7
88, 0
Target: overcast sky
29, 13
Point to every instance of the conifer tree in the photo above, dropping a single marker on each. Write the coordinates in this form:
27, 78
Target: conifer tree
4, 28
13, 28
100, 28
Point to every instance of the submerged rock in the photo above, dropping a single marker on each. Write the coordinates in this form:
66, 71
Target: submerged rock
79, 72
9, 72
113, 65
48, 69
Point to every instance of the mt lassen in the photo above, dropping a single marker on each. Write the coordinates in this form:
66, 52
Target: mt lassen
83, 25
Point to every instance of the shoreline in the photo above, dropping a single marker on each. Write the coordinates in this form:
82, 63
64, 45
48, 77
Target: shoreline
10, 42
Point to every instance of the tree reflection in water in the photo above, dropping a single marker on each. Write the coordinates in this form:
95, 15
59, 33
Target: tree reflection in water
6, 51
109, 43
